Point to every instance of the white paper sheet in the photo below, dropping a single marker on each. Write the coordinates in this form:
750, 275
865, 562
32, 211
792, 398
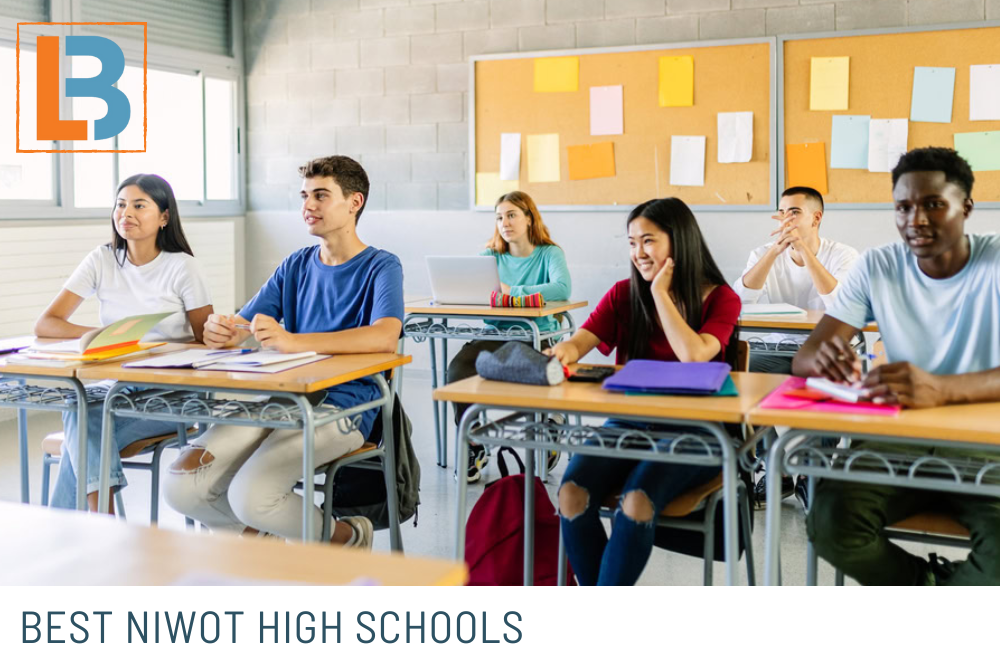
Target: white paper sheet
984, 92
735, 136
687, 160
606, 116
887, 139
510, 156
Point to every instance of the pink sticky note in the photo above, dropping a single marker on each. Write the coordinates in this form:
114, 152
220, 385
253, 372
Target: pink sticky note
606, 110
780, 400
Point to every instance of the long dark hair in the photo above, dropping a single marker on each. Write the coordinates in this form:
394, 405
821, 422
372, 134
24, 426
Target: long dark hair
171, 237
694, 268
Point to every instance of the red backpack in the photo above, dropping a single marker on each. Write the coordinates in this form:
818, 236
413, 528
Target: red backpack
494, 533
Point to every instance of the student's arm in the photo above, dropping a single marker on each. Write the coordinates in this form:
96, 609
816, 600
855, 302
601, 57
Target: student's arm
910, 386
559, 285
54, 322
572, 350
381, 336
822, 279
751, 285
220, 331
688, 344
828, 354
839, 271
198, 317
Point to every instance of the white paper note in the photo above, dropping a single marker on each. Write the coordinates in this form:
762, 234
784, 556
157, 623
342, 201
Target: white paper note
886, 143
687, 160
984, 92
735, 136
606, 110
510, 156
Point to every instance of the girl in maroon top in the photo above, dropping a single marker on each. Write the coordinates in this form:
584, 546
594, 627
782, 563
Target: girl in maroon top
675, 307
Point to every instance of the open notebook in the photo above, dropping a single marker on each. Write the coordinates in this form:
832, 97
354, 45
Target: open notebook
234, 360
116, 339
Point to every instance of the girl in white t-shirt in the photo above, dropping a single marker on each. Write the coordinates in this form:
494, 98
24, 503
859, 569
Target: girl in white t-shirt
147, 268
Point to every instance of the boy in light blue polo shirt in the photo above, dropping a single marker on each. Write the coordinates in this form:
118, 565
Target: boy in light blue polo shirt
936, 298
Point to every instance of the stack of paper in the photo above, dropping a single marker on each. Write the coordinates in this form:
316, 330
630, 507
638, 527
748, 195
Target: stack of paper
770, 309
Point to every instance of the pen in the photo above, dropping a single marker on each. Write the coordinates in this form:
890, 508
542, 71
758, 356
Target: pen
242, 326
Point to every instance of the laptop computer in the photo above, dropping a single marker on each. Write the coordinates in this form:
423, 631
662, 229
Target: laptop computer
466, 281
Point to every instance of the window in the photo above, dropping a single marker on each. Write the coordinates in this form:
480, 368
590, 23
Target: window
193, 79
23, 176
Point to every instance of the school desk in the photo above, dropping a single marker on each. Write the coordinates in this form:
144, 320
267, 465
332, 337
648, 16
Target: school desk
185, 395
63, 393
713, 447
792, 324
50, 547
955, 449
426, 320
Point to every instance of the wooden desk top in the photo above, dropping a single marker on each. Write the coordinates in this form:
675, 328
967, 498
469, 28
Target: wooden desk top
960, 423
427, 307
338, 369
43, 546
589, 397
801, 323
39, 371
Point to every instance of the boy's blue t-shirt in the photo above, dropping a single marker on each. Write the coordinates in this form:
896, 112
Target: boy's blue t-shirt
308, 296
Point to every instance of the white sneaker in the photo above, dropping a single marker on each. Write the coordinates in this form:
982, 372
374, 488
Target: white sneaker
363, 532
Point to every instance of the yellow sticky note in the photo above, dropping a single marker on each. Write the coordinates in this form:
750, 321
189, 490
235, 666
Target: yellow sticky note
829, 79
543, 158
557, 75
677, 81
489, 187
591, 161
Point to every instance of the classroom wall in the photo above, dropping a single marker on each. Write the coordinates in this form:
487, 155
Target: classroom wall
386, 81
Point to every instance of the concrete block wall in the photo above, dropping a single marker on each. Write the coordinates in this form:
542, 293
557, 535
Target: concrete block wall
386, 81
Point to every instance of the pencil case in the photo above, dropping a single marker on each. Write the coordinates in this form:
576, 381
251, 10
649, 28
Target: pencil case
517, 362
499, 300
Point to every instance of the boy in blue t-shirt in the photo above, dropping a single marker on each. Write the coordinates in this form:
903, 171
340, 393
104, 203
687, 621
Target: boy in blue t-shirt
337, 297
936, 298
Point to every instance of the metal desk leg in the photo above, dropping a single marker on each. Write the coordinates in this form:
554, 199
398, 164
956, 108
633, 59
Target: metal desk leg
308, 466
107, 438
437, 412
812, 559
729, 508
389, 467
444, 404
772, 540
81, 446
462, 481
22, 434
529, 520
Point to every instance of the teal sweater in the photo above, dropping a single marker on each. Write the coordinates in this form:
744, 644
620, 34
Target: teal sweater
544, 270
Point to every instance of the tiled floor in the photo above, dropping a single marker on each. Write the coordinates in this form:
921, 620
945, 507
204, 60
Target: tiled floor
433, 536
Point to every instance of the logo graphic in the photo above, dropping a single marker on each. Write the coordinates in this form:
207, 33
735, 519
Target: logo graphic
50, 126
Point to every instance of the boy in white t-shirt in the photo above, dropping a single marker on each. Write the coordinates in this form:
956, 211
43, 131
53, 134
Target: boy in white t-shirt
798, 268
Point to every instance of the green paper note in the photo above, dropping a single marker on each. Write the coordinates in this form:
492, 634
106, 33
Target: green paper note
980, 149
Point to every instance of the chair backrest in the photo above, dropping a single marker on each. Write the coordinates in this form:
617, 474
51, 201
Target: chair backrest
742, 356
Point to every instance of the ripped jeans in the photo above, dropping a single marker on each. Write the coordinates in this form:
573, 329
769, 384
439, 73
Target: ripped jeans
620, 560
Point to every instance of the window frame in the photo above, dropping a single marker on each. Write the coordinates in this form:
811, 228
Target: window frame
159, 57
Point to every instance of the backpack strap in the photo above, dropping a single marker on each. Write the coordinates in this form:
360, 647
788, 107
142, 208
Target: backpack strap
502, 463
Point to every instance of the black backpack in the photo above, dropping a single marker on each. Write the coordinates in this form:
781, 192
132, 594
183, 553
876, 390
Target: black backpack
361, 491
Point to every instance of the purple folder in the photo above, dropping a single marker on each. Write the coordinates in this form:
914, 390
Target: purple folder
669, 377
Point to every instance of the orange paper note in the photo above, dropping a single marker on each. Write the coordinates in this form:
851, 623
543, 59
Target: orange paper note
807, 166
591, 161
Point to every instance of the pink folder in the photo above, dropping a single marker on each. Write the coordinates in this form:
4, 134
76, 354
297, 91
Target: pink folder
776, 400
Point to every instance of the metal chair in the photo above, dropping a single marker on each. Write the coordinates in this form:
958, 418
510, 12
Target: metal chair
52, 452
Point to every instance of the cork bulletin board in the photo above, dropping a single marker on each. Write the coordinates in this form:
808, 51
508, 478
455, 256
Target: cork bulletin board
734, 76
880, 85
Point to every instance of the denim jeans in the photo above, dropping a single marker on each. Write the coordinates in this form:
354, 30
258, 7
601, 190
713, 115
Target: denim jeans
127, 431
620, 560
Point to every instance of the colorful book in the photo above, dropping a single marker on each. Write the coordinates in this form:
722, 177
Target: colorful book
125, 333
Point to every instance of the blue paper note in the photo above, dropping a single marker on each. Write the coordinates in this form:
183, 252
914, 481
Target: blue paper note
933, 93
849, 146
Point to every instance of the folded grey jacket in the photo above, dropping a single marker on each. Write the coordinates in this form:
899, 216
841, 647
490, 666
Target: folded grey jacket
518, 362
